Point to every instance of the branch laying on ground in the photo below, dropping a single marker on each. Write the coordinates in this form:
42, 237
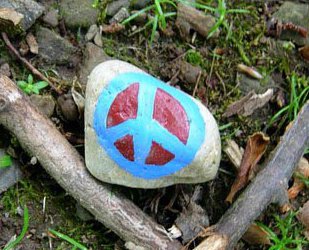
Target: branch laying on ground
27, 63
38, 136
269, 186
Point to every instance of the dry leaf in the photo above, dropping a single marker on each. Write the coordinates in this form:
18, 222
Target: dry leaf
298, 185
33, 45
234, 152
248, 104
112, 28
255, 148
255, 235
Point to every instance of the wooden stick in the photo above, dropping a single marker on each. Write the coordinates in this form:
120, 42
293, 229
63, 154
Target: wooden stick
27, 63
38, 136
269, 186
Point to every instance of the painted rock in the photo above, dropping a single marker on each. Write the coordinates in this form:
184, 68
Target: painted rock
140, 132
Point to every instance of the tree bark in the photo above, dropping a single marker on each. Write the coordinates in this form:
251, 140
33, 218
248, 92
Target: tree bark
39, 137
269, 186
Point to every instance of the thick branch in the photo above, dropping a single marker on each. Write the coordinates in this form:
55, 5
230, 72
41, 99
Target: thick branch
269, 186
40, 138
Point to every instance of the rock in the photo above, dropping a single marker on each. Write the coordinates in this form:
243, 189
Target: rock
92, 31
115, 6
51, 18
78, 13
180, 143
93, 55
122, 14
45, 103
9, 175
68, 107
297, 14
5, 70
29, 8
139, 4
53, 48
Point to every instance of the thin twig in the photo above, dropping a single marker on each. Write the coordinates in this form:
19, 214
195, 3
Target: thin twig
27, 63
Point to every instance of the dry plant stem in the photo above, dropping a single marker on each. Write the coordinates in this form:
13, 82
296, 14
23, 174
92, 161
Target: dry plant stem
269, 186
38, 136
27, 63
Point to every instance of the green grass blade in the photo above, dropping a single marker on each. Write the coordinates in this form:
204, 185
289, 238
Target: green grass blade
23, 231
154, 28
130, 18
161, 18
198, 6
68, 239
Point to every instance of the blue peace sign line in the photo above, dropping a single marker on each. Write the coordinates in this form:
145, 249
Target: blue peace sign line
145, 129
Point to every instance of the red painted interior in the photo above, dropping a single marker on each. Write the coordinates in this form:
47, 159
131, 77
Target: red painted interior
171, 115
158, 155
126, 147
124, 106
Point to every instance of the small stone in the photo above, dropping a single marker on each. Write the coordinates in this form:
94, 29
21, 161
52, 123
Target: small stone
93, 55
53, 48
10, 175
78, 13
115, 6
51, 18
93, 30
45, 103
143, 133
29, 8
32, 43
296, 14
139, 4
98, 40
68, 107
5, 69
122, 14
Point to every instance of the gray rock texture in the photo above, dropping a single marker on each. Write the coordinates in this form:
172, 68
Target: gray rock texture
9, 175
206, 159
93, 55
45, 103
78, 13
298, 14
30, 9
53, 48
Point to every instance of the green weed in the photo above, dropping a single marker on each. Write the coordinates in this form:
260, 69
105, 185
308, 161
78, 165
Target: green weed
74, 243
299, 92
14, 243
159, 10
289, 236
5, 161
29, 87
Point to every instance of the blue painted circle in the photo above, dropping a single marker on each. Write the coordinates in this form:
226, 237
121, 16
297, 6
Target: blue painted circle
145, 129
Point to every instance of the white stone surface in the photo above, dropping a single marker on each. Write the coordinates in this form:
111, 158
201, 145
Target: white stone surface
203, 168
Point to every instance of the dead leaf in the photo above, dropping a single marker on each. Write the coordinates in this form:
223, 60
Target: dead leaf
234, 152
255, 148
112, 28
255, 235
298, 185
33, 45
248, 104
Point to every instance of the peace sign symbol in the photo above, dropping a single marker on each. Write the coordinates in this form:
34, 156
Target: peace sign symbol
147, 127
